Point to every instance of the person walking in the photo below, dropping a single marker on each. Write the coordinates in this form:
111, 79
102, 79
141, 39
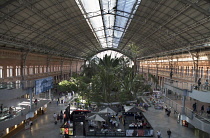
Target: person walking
158, 134
194, 107
206, 84
208, 111
169, 133
169, 112
55, 116
30, 124
58, 101
202, 109
1, 108
61, 118
199, 83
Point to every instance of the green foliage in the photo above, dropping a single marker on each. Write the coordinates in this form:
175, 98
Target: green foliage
110, 80
69, 86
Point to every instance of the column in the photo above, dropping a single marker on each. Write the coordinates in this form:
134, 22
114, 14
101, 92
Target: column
183, 101
31, 97
50, 94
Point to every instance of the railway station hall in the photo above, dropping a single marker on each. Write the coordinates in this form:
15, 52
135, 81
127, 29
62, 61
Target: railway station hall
104, 68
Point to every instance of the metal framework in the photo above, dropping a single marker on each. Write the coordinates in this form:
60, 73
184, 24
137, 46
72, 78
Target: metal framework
59, 27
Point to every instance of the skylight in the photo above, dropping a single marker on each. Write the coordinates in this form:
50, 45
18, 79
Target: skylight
108, 19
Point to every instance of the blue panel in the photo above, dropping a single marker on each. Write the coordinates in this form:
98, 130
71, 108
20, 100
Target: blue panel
42, 85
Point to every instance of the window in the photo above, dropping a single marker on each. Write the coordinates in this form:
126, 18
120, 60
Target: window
10, 85
40, 69
192, 71
17, 84
45, 69
52, 69
31, 70
56, 68
9, 71
1, 71
25, 70
48, 69
36, 69
17, 71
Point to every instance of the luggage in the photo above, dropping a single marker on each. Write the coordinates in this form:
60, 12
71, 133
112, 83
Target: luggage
55, 122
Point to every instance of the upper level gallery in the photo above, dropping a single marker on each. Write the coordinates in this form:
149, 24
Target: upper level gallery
188, 67
16, 66
182, 72
19, 70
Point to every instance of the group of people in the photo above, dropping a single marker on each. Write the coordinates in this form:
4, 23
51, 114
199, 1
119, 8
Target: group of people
207, 110
58, 117
28, 123
206, 84
202, 109
168, 133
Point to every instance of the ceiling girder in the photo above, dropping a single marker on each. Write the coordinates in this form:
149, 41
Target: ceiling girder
26, 26
193, 4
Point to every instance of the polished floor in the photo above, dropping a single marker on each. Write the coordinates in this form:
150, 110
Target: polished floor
44, 126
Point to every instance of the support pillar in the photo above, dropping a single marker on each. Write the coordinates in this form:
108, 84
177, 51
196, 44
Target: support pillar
31, 98
183, 101
156, 76
50, 94
195, 58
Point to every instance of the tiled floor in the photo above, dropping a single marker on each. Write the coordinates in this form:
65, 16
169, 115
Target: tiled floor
44, 126
160, 121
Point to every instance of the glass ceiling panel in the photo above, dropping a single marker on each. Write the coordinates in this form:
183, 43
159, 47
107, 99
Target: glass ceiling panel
108, 19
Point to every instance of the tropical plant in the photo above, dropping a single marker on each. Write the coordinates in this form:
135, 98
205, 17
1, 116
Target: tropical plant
110, 80
68, 86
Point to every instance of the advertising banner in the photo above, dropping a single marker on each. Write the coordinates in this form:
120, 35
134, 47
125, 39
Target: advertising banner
44, 84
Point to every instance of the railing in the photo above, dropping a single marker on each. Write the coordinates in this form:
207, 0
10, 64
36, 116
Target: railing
22, 112
179, 84
204, 88
130, 132
180, 73
188, 112
174, 105
190, 77
17, 85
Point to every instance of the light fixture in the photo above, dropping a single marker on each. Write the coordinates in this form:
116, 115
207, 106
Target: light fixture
7, 130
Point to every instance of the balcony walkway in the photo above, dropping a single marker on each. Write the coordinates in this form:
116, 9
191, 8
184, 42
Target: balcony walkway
189, 103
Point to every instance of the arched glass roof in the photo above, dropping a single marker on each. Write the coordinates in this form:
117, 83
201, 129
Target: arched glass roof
75, 28
109, 19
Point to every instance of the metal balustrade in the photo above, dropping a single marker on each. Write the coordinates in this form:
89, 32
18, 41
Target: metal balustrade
187, 111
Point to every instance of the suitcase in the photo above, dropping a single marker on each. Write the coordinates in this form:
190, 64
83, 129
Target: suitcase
55, 122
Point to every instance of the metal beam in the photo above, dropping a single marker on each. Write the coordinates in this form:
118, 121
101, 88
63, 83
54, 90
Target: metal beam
103, 20
195, 6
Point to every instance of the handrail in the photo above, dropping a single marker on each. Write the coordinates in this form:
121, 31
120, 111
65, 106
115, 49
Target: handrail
188, 112
22, 112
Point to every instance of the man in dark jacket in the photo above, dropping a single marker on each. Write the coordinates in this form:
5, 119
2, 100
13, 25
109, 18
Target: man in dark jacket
169, 133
